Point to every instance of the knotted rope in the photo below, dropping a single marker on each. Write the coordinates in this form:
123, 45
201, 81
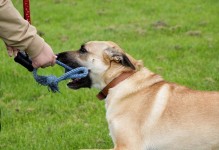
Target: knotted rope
52, 81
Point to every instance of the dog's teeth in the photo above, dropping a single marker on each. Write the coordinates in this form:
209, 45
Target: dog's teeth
77, 79
74, 80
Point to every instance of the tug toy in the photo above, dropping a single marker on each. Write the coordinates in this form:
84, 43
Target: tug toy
51, 81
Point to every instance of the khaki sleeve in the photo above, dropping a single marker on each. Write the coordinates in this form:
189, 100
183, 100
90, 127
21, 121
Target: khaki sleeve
17, 32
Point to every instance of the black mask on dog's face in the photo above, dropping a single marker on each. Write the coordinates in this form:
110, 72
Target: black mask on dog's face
68, 59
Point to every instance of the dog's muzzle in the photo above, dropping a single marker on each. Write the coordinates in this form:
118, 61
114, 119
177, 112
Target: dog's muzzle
68, 59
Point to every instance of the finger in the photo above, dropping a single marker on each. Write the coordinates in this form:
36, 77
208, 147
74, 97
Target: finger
35, 65
46, 65
15, 51
53, 62
10, 51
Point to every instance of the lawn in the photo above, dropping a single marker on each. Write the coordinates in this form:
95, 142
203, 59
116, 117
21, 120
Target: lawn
176, 39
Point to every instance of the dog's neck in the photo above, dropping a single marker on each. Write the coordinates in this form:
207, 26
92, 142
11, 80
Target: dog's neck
104, 92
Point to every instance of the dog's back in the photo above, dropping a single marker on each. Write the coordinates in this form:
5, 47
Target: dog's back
163, 115
190, 119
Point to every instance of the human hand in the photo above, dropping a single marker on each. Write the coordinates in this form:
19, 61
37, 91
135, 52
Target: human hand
12, 51
45, 58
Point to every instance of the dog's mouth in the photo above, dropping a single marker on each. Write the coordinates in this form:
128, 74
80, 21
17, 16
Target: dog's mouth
79, 83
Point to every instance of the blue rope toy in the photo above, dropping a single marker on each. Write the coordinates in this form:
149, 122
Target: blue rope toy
52, 81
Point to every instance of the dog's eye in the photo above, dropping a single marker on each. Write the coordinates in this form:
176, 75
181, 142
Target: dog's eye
82, 50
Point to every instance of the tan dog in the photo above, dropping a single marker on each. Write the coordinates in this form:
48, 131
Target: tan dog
144, 112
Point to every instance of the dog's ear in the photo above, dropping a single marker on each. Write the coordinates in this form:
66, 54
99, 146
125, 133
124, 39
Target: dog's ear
119, 57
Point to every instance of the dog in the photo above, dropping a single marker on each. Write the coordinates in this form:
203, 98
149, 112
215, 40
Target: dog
143, 111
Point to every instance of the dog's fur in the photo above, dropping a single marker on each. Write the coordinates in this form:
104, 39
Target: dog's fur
144, 111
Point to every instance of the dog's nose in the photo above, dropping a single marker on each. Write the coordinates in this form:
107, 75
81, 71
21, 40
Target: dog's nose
58, 56
61, 56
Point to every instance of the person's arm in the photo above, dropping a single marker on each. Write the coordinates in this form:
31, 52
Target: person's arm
18, 33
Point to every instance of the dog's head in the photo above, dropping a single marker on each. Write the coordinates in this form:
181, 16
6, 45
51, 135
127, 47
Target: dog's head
105, 60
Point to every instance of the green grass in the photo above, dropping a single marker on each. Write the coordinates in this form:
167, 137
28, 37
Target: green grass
176, 39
